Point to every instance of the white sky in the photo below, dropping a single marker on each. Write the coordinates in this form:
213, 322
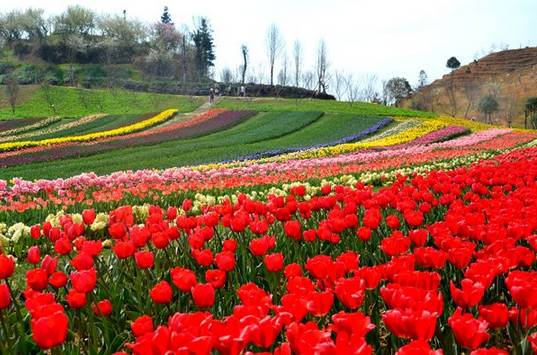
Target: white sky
383, 37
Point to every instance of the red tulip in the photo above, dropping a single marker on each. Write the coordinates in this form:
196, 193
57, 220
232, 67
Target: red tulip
84, 281
416, 325
35, 232
88, 216
117, 230
203, 295
496, 314
350, 292
469, 332
123, 250
7, 266
418, 347
183, 279
273, 262
75, 299
58, 279
225, 261
292, 270
142, 325
144, 259
50, 330
469, 295
489, 351
216, 277
364, 233
103, 308
293, 229
5, 296
82, 261
161, 293
37, 279
34, 255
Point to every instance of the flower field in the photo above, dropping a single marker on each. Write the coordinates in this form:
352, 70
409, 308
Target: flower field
245, 229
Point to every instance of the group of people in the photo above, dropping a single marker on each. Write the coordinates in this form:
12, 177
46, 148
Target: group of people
215, 91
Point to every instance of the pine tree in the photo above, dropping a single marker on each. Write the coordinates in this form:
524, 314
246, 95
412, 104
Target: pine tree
204, 43
166, 17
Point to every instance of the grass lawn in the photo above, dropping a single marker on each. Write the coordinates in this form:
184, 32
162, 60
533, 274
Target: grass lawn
74, 102
357, 108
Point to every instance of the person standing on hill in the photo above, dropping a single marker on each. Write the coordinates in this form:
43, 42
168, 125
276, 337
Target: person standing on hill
211, 95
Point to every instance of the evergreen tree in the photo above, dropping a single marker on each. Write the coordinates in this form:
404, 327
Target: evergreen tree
166, 18
204, 43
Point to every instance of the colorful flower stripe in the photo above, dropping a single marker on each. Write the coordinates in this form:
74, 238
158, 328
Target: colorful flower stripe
67, 125
208, 124
37, 125
400, 126
428, 262
90, 180
9, 124
161, 117
147, 184
352, 138
56, 151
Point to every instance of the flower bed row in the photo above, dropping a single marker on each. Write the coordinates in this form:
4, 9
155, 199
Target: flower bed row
159, 118
173, 184
39, 124
203, 124
57, 128
430, 262
352, 138
7, 125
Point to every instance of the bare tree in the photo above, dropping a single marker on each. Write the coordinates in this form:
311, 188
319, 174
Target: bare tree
282, 76
308, 80
322, 67
275, 45
385, 92
339, 84
226, 76
244, 51
12, 92
369, 89
353, 89
297, 56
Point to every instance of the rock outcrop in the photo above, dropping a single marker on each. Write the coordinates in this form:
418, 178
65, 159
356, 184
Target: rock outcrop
511, 76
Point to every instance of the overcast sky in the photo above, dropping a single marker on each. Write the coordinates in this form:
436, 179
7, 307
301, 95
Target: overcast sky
384, 37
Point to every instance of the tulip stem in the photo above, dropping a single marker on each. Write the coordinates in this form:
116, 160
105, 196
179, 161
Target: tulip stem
4, 327
15, 304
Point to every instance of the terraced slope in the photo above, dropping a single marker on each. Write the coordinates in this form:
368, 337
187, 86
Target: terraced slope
227, 144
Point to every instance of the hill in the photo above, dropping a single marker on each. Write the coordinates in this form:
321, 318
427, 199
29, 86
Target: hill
509, 75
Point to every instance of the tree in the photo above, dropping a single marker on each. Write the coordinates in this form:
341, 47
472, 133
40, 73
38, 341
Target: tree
297, 57
76, 20
322, 67
353, 89
422, 79
166, 18
308, 79
226, 76
12, 91
452, 63
487, 106
530, 112
275, 44
369, 91
282, 75
204, 43
244, 66
471, 91
339, 83
397, 88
